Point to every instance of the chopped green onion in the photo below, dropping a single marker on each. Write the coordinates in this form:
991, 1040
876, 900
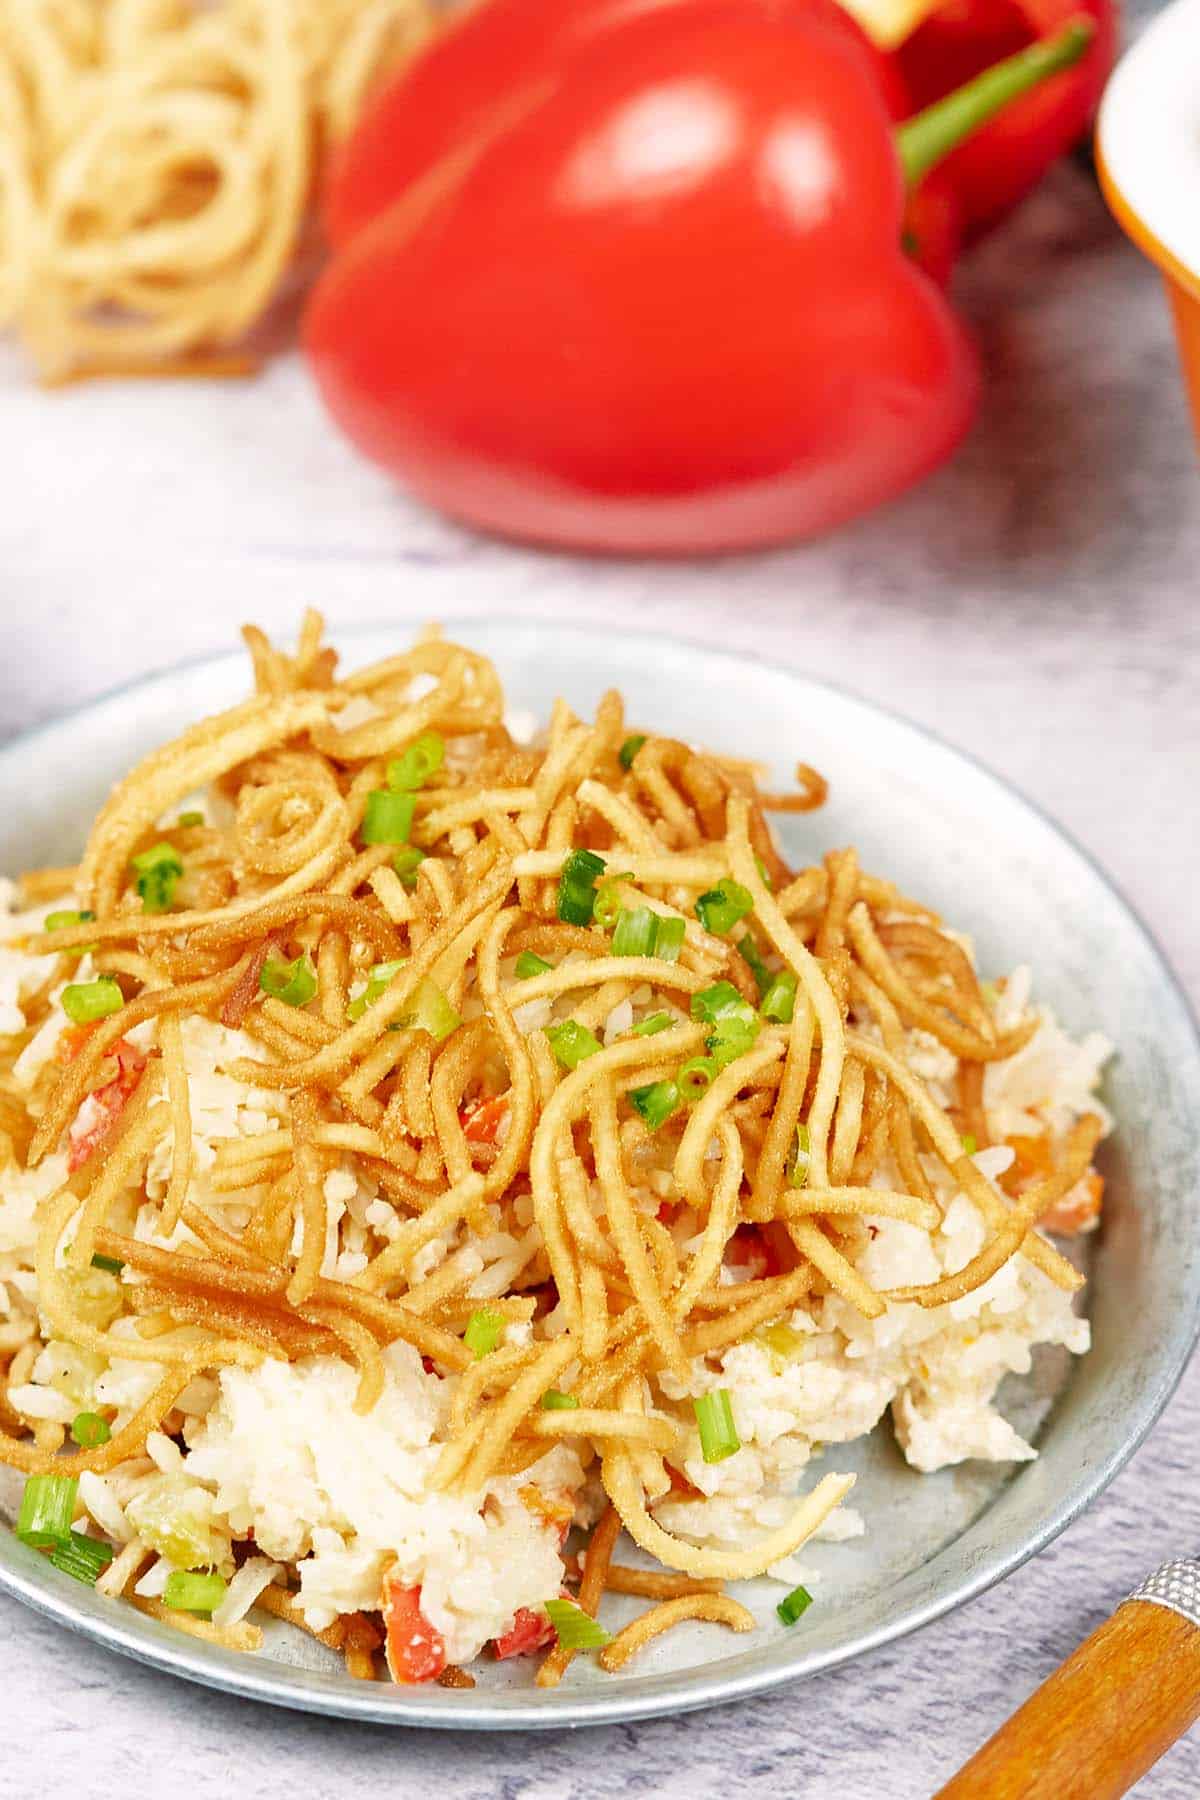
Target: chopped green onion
577, 886
713, 1003
734, 1021
970, 1144
158, 871
630, 748
90, 1430
668, 939
571, 1043
406, 862
652, 1025
529, 965
47, 1507
655, 1103
606, 907
107, 1262
779, 1001
377, 984
798, 1172
187, 819
431, 1012
576, 1629
757, 967
483, 1333
388, 818
62, 921
721, 907
193, 1593
714, 1418
695, 1077
635, 932
294, 983
764, 874
797, 1602
85, 1001
413, 767
82, 1557
554, 1400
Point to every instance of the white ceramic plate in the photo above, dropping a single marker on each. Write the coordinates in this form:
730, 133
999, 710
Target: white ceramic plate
947, 831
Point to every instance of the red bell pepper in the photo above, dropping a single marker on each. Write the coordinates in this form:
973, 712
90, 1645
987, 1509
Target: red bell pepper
1000, 163
655, 297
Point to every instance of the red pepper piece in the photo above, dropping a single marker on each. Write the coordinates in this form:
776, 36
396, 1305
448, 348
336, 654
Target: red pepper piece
482, 1118
415, 1651
1001, 162
529, 1631
102, 1108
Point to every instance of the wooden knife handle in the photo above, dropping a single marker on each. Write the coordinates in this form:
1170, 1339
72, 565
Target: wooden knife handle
1113, 1708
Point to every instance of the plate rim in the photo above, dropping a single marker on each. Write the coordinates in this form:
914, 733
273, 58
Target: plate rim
153, 1644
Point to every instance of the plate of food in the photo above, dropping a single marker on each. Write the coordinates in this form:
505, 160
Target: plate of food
549, 1176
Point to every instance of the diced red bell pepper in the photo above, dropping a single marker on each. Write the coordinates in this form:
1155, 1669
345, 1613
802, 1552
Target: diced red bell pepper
415, 1651
529, 1631
482, 1118
101, 1110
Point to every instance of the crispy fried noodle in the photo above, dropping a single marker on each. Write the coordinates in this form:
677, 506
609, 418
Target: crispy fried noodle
420, 1138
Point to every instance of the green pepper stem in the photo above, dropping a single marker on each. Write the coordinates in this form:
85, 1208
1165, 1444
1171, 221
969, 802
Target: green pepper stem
928, 136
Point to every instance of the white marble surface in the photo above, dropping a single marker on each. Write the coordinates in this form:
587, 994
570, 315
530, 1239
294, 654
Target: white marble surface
1034, 603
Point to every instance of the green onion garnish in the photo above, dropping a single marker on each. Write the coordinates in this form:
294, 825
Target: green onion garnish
577, 886
779, 1001
294, 983
571, 1043
695, 1077
797, 1602
47, 1507
764, 874
62, 921
529, 965
554, 1400
758, 968
158, 871
606, 907
721, 907
388, 818
82, 1557
735, 1023
969, 1143
668, 938
652, 1025
783, 1340
188, 1592
406, 862
90, 1430
576, 1629
630, 748
635, 932
655, 1103
187, 819
413, 767
377, 983
431, 1012
483, 1333
85, 1001
714, 1418
107, 1262
798, 1172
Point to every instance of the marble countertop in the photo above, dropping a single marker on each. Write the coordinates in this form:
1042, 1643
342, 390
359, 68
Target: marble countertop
1034, 603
